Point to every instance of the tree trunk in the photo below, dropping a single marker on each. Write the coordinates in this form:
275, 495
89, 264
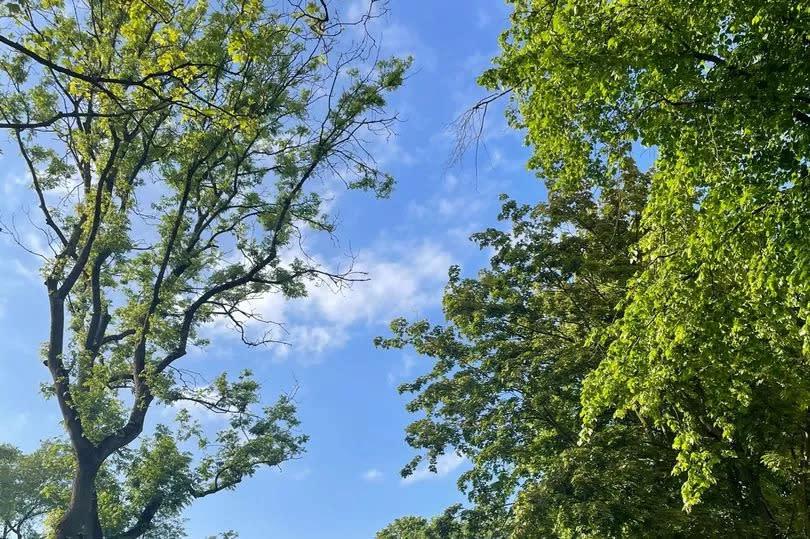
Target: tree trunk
768, 525
81, 519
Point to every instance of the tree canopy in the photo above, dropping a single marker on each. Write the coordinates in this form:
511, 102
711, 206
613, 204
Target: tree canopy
452, 524
506, 386
687, 376
31, 486
632, 362
176, 150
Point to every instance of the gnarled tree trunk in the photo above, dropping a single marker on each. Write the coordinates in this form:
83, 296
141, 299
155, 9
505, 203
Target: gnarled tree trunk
80, 521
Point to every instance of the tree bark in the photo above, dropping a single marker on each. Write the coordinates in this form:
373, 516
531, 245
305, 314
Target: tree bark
80, 521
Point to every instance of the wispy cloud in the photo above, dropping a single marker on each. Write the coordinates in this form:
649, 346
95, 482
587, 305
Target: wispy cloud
309, 343
300, 475
445, 465
24, 271
13, 184
393, 37
372, 475
457, 202
403, 371
404, 278
482, 18
401, 41
358, 9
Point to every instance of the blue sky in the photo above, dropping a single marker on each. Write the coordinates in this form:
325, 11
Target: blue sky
347, 485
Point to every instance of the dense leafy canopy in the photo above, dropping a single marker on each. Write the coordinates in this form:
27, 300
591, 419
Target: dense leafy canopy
35, 487
506, 385
453, 524
712, 343
691, 376
634, 362
31, 486
172, 147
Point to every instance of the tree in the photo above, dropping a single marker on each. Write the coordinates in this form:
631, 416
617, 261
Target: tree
172, 149
506, 383
450, 525
712, 345
31, 486
695, 388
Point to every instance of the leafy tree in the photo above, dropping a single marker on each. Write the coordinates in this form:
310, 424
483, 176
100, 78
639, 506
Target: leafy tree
34, 487
712, 346
506, 384
31, 486
693, 365
450, 525
172, 148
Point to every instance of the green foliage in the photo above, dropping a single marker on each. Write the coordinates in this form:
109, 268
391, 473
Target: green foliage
506, 384
35, 488
188, 136
31, 486
712, 342
453, 524
688, 370
710, 84
699, 371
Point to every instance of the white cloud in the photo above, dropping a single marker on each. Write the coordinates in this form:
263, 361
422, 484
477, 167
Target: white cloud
24, 271
35, 243
478, 62
450, 181
403, 371
403, 278
447, 208
310, 342
482, 18
394, 39
461, 234
401, 41
358, 9
372, 475
13, 183
445, 464
300, 475
291, 470
387, 151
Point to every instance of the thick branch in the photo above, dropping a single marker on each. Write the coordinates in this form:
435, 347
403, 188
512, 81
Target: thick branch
144, 521
104, 179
